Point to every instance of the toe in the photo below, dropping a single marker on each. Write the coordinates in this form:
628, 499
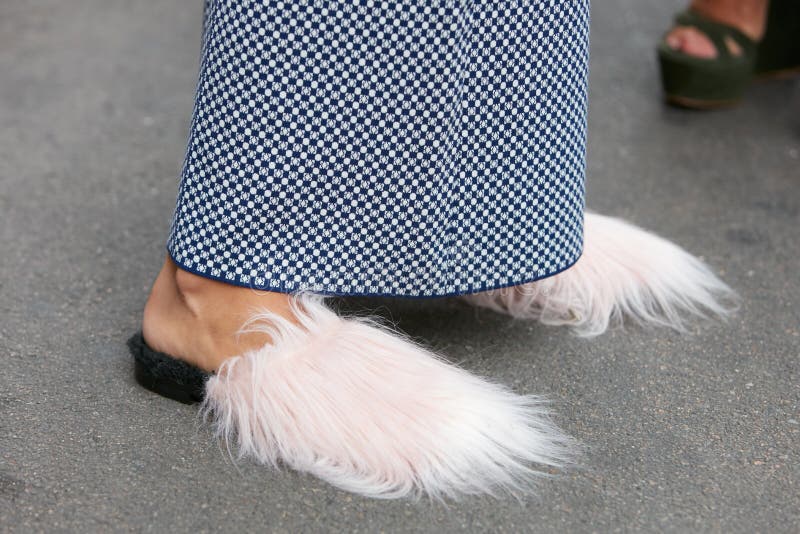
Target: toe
691, 41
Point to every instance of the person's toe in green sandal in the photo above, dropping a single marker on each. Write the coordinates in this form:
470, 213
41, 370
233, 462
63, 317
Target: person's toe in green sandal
710, 83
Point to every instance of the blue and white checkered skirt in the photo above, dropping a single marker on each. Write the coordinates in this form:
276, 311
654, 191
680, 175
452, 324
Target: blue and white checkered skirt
406, 147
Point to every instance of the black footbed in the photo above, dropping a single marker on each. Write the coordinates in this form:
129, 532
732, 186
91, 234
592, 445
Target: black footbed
166, 375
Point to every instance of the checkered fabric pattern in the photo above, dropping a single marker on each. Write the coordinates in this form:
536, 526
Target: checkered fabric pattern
406, 148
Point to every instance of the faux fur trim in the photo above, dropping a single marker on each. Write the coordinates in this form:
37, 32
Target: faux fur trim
624, 272
371, 412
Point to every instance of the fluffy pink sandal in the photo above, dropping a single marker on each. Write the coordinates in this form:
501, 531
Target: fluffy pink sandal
624, 272
368, 411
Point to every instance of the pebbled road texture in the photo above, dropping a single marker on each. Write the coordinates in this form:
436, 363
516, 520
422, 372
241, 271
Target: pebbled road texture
697, 433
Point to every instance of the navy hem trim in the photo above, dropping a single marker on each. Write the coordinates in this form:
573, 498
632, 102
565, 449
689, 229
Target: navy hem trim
388, 295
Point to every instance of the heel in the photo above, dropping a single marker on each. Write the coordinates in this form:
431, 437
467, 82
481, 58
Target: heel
165, 375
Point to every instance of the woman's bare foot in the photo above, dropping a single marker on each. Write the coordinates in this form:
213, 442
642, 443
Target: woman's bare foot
748, 16
197, 319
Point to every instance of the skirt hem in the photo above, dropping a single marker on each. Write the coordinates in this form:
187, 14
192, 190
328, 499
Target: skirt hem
273, 289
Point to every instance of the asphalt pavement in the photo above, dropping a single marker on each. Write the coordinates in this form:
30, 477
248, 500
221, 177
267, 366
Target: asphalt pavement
684, 433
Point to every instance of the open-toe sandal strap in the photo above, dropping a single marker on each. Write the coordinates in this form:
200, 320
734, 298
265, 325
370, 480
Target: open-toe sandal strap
717, 32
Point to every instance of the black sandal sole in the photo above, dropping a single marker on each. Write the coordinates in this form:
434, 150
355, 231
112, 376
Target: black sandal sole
166, 375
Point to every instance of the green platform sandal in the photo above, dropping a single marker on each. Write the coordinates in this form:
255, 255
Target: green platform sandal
699, 83
708, 83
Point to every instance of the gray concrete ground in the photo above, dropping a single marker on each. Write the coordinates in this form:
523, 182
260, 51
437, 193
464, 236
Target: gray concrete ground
694, 433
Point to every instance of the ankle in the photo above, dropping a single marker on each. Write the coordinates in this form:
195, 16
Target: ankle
748, 16
195, 292
169, 323
225, 307
198, 319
